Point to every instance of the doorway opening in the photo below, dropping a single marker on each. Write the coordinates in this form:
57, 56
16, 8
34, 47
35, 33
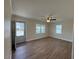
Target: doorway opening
18, 33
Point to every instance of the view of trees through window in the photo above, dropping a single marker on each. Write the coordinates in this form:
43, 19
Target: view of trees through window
19, 29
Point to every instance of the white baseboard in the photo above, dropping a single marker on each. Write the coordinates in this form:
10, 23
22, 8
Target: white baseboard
52, 37
64, 39
36, 39
67, 40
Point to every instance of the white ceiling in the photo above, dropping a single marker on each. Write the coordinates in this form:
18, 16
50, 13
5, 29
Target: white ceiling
35, 9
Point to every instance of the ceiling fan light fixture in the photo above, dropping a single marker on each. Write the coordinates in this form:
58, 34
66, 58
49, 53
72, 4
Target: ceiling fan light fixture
48, 21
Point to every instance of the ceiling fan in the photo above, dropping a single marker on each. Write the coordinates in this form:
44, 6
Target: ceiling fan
50, 19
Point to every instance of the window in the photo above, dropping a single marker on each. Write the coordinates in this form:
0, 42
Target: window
40, 28
59, 29
19, 29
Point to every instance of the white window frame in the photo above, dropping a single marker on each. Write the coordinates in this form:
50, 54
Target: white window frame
60, 29
20, 29
37, 26
41, 30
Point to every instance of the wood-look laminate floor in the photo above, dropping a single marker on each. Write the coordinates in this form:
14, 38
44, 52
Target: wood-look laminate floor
47, 48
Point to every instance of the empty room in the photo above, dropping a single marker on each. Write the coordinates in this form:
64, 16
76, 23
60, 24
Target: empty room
40, 29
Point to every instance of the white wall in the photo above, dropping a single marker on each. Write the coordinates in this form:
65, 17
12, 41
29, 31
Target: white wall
31, 27
67, 30
7, 29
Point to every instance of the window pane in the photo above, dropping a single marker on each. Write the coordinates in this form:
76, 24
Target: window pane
42, 28
59, 29
19, 29
37, 28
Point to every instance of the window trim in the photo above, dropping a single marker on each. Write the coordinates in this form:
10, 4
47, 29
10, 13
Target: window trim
61, 29
41, 29
15, 28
